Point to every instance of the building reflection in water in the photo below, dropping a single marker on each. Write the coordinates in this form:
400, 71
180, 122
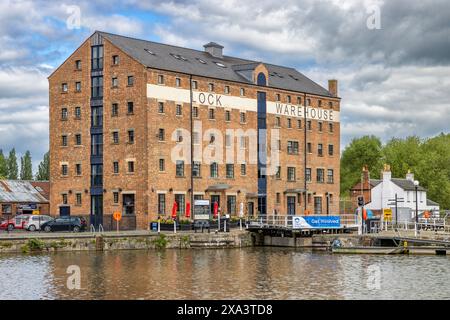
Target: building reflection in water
248, 273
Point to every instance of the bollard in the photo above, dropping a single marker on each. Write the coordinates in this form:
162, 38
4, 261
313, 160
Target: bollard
225, 226
174, 226
159, 226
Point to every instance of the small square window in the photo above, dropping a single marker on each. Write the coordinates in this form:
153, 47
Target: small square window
195, 112
160, 107
131, 136
227, 115
211, 114
64, 170
115, 60
64, 141
288, 99
78, 199
115, 110
194, 84
330, 127
211, 87
160, 79
130, 80
115, 82
162, 165
78, 86
78, 169
299, 124
320, 126
77, 113
178, 82
178, 110
115, 137
242, 92
161, 134
299, 100
130, 107
227, 89
116, 167
277, 121
64, 113
243, 169
130, 166
116, 197
309, 125
64, 198
289, 123
78, 139
277, 97
243, 117
64, 87
78, 64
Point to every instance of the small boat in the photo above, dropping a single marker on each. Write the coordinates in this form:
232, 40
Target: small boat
370, 250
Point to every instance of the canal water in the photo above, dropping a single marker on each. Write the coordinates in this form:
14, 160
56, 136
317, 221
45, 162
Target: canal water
249, 273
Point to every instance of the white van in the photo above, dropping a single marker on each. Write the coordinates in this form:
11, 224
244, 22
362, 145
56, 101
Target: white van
34, 222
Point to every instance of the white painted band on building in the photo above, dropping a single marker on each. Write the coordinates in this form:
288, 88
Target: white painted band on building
244, 104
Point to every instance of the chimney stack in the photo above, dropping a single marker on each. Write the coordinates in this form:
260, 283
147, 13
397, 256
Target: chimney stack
333, 87
386, 173
214, 49
410, 176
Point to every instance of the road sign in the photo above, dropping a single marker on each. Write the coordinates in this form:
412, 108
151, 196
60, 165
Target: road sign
387, 214
117, 215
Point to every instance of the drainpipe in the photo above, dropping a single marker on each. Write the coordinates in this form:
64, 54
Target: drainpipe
192, 148
305, 151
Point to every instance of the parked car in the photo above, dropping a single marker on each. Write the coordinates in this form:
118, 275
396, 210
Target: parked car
34, 222
75, 224
16, 222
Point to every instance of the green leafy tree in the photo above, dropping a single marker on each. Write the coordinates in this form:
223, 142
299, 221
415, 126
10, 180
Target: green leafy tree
44, 168
3, 166
13, 169
403, 155
26, 167
362, 151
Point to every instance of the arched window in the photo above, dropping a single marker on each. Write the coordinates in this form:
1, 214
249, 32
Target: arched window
261, 80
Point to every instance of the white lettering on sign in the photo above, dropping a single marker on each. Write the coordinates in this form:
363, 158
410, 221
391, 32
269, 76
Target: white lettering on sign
244, 104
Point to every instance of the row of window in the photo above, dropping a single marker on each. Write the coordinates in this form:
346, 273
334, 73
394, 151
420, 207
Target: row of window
97, 112
97, 171
65, 87
289, 124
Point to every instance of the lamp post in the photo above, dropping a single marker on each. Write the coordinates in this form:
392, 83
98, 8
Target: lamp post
416, 186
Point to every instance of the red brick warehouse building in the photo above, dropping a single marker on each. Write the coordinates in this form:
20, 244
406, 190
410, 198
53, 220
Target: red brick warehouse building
125, 114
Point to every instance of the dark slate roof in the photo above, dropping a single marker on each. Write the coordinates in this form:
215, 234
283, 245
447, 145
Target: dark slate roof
375, 182
406, 184
432, 203
162, 58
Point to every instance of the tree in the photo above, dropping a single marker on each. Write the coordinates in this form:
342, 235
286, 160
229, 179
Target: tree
44, 168
3, 166
26, 167
13, 169
403, 155
361, 151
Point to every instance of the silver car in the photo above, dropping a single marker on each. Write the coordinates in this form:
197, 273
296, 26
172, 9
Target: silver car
34, 222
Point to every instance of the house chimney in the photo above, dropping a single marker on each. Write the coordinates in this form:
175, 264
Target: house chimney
386, 173
365, 171
214, 49
333, 87
410, 176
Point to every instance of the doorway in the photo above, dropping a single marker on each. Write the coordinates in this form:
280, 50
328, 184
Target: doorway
64, 211
291, 205
251, 208
128, 204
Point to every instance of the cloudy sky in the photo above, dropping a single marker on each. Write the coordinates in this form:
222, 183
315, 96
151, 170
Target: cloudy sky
393, 72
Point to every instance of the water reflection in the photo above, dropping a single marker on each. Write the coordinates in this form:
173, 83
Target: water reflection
251, 273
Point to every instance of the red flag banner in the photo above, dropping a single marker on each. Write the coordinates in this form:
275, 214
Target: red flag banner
188, 210
216, 209
174, 210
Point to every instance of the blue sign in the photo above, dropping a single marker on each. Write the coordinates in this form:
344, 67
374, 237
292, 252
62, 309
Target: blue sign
316, 222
